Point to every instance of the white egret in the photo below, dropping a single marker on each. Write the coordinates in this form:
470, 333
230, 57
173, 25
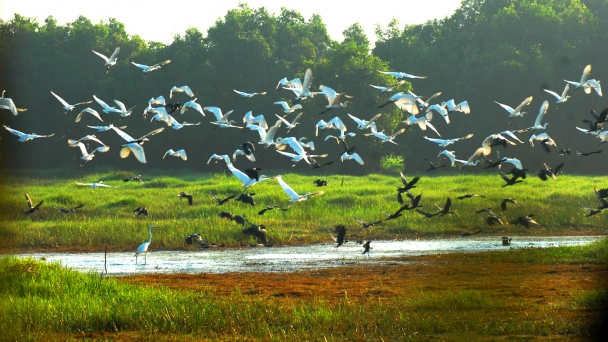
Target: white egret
227, 124
543, 138
123, 111
353, 156
159, 101
73, 142
335, 99
444, 143
400, 74
266, 136
310, 145
183, 89
223, 157
286, 108
134, 145
384, 137
89, 156
110, 62
179, 153
23, 137
296, 146
472, 161
539, 118
285, 83
517, 112
7, 103
244, 178
514, 161
493, 140
90, 111
220, 118
160, 114
66, 106
292, 194
176, 125
387, 89
143, 248
422, 122
96, 185
363, 124
560, 98
105, 128
192, 104
405, 102
295, 158
461, 107
422, 102
302, 90
583, 80
106, 108
512, 134
593, 85
449, 154
441, 109
260, 120
146, 69
243, 94
291, 124
588, 131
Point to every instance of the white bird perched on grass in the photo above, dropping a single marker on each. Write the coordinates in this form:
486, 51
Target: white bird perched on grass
146, 69
7, 103
96, 185
259, 120
89, 156
583, 80
517, 112
243, 94
422, 122
66, 106
143, 248
591, 85
422, 102
183, 89
110, 62
220, 118
560, 98
179, 153
90, 111
363, 124
106, 108
246, 179
400, 74
123, 111
539, 117
73, 142
287, 109
353, 156
192, 104
449, 154
23, 137
134, 145
105, 128
176, 125
441, 109
217, 157
444, 143
405, 102
387, 89
461, 107
266, 136
335, 99
293, 195
384, 137
291, 124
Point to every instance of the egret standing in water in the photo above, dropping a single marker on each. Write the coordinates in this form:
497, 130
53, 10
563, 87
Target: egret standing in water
143, 248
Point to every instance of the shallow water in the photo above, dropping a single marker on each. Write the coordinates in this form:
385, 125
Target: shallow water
292, 258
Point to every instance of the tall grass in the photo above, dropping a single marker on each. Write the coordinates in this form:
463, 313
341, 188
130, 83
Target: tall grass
107, 218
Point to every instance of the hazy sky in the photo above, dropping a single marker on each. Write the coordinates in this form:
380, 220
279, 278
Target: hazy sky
159, 21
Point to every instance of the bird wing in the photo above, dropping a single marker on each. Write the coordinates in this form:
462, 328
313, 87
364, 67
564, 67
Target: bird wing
216, 111
137, 150
565, 90
169, 152
121, 106
556, 95
524, 103
541, 113
192, 104
288, 190
586, 73
114, 55
330, 94
14, 131
307, 80
269, 136
104, 105
101, 55
243, 94
156, 131
284, 105
83, 149
65, 104
141, 66
162, 63
187, 90
504, 177
238, 173
29, 200
507, 108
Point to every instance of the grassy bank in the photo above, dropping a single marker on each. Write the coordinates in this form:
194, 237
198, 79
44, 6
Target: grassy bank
517, 294
107, 218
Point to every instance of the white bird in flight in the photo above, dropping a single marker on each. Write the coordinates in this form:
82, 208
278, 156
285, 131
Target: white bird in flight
110, 62
179, 153
23, 137
220, 118
66, 106
449, 154
105, 128
517, 112
134, 145
583, 80
89, 156
73, 142
146, 69
353, 156
539, 117
223, 157
96, 185
593, 85
400, 74
422, 102
302, 90
291, 124
292, 194
183, 89
335, 100
422, 122
90, 111
244, 178
266, 136
560, 98
192, 104
176, 125
286, 108
384, 138
259, 120
387, 89
405, 102
123, 111
106, 108
461, 107
363, 124
243, 94
7, 103
444, 143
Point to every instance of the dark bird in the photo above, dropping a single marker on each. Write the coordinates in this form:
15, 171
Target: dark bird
503, 204
253, 173
396, 214
259, 231
525, 221
492, 220
469, 196
414, 201
564, 152
226, 215
141, 211
506, 241
432, 166
515, 172
485, 210
173, 107
585, 154
261, 212
31, 207
68, 210
341, 230
246, 198
320, 182
446, 208
547, 172
240, 219
591, 211
221, 201
347, 150
194, 238
471, 233
407, 185
366, 247
510, 181
185, 195
316, 165
494, 164
601, 193
545, 143
247, 149
600, 197
602, 117
365, 224
427, 215
134, 178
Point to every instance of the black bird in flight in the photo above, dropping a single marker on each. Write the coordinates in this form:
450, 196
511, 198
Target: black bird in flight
515, 172
240, 219
510, 181
366, 247
185, 195
246, 198
341, 230
396, 214
221, 201
564, 152
365, 224
68, 210
226, 215
525, 221
446, 208
432, 166
253, 173
547, 172
414, 201
31, 207
585, 154
492, 220
427, 215
470, 196
503, 204
261, 212
259, 231
485, 210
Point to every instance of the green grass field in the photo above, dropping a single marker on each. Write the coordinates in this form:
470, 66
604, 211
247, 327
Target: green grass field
107, 218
